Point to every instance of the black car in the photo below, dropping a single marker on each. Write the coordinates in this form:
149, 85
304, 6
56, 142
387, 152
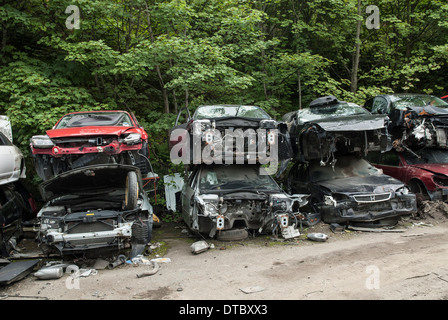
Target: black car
416, 120
330, 127
229, 133
230, 201
17, 206
95, 209
351, 191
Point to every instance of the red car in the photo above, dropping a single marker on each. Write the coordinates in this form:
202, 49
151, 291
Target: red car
425, 171
91, 137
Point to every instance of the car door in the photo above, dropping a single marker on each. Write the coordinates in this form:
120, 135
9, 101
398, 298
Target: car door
380, 105
187, 196
9, 158
297, 180
392, 165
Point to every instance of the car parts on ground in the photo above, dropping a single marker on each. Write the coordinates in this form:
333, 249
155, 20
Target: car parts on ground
329, 127
351, 190
88, 138
95, 209
416, 120
230, 202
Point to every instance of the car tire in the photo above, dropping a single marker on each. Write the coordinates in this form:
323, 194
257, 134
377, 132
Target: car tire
131, 192
419, 189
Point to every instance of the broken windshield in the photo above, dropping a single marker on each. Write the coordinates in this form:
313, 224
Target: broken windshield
329, 111
206, 112
426, 156
345, 167
402, 102
86, 119
242, 177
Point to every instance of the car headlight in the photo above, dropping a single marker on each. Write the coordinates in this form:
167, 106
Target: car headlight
329, 201
41, 142
210, 209
132, 138
403, 190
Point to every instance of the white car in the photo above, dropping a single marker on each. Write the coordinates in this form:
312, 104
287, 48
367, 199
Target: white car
12, 162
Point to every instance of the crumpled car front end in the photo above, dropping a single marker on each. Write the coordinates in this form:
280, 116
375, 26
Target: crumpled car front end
387, 204
236, 199
95, 209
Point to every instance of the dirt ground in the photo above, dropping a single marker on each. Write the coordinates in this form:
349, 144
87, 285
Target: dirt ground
407, 262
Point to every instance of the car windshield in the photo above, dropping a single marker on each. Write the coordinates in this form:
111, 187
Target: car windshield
336, 110
86, 119
426, 156
206, 112
345, 167
242, 177
402, 102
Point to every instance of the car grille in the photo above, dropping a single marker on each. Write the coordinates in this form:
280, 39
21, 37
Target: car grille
90, 227
373, 197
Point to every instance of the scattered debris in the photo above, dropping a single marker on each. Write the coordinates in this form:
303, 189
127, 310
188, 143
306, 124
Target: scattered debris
49, 273
317, 236
252, 289
199, 247
375, 229
337, 228
290, 232
120, 260
155, 269
16, 271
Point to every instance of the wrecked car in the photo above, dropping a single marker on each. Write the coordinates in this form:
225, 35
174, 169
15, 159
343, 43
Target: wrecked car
425, 171
95, 209
329, 126
234, 133
91, 137
351, 190
16, 206
230, 201
12, 162
416, 120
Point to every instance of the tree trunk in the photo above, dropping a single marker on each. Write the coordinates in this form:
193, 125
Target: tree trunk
354, 76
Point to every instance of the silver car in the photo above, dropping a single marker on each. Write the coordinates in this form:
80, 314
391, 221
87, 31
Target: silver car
12, 162
230, 201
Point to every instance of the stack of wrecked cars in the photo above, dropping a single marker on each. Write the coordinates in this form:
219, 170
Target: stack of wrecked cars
229, 153
92, 164
16, 203
331, 139
419, 128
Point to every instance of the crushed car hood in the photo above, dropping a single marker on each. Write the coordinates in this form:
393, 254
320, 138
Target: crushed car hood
352, 123
440, 168
375, 183
87, 131
86, 181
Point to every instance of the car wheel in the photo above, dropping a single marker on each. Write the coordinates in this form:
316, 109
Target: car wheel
131, 192
419, 189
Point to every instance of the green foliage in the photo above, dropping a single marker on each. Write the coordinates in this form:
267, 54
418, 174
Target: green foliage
156, 57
